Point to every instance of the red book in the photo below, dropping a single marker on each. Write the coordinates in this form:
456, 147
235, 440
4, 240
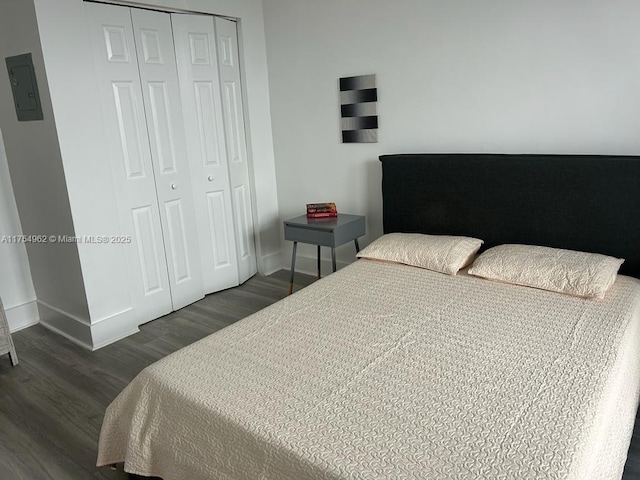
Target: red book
322, 214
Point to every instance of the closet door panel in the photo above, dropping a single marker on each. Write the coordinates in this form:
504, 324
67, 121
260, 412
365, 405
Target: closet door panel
179, 241
115, 60
149, 252
206, 116
233, 111
229, 66
221, 233
194, 39
164, 144
244, 222
125, 101
161, 93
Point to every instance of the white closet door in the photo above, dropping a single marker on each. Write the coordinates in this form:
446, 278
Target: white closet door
122, 105
194, 39
229, 66
161, 93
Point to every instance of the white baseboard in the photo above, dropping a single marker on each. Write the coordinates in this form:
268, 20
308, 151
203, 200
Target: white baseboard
73, 328
66, 335
22, 315
271, 263
91, 336
113, 328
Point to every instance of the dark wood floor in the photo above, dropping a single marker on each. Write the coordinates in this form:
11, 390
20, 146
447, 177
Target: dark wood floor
52, 403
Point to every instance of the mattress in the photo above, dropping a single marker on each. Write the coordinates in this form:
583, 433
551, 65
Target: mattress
384, 371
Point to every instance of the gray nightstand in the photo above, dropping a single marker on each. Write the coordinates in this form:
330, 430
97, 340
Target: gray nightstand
326, 232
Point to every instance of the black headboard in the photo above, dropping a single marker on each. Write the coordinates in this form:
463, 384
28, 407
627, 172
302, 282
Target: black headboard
580, 202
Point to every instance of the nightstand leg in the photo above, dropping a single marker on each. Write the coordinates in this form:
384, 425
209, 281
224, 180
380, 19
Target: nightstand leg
355, 240
293, 266
319, 273
333, 258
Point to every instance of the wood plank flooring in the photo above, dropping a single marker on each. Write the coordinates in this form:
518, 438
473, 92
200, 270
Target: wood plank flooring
53, 402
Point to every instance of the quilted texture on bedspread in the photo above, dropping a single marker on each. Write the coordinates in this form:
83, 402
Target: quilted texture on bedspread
383, 371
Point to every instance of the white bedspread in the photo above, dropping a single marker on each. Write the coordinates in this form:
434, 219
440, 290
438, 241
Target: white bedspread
383, 371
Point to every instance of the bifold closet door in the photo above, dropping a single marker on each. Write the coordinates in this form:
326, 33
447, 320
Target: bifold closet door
120, 93
232, 108
209, 72
165, 126
195, 44
148, 160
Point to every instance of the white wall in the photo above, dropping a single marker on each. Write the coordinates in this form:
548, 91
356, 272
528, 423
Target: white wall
16, 286
466, 76
38, 180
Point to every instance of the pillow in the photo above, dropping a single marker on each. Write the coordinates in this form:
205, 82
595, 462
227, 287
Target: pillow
565, 271
441, 253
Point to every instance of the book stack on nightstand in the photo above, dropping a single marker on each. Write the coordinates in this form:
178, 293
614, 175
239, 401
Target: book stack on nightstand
322, 210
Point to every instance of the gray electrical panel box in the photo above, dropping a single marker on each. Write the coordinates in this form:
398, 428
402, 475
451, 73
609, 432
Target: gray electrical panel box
25, 88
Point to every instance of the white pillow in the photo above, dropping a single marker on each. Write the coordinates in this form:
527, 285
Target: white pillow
441, 253
565, 271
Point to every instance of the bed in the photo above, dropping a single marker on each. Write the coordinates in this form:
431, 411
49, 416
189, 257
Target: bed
385, 371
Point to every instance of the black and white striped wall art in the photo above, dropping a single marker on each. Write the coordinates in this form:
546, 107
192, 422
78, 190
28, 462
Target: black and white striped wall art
358, 109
